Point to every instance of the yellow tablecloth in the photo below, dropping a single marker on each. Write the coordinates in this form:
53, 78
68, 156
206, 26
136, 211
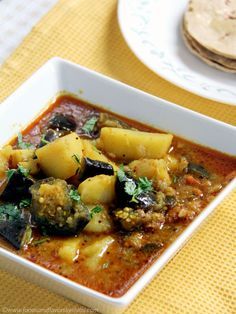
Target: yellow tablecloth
201, 278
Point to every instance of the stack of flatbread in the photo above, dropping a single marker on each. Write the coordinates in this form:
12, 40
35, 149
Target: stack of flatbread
209, 31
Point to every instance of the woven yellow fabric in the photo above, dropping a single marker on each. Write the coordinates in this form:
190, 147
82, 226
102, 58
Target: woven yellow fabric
200, 279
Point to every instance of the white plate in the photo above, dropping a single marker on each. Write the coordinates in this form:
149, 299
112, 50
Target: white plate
151, 28
33, 97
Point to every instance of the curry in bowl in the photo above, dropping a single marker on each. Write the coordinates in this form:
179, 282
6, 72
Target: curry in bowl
97, 198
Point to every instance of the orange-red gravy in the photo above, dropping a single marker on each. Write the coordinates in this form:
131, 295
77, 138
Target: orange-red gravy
121, 265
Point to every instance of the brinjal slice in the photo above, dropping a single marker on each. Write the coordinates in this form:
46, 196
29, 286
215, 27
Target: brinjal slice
93, 168
17, 187
62, 122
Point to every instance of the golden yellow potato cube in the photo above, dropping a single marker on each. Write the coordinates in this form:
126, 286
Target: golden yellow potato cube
21, 155
69, 250
5, 153
153, 169
96, 250
129, 145
98, 190
100, 222
31, 165
61, 158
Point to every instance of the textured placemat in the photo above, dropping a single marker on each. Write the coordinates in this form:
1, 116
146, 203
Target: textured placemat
17, 19
201, 278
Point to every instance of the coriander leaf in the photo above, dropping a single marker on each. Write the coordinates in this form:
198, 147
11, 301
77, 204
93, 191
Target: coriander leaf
77, 158
175, 179
133, 199
25, 172
22, 144
121, 173
43, 140
89, 125
74, 195
25, 203
40, 241
97, 209
9, 211
10, 173
130, 187
144, 184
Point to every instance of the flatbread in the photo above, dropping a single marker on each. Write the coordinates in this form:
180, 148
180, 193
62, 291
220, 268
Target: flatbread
215, 60
212, 23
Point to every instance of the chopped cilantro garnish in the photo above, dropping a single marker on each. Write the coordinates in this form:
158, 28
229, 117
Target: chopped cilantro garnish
25, 203
89, 125
25, 172
10, 173
74, 195
121, 173
40, 241
175, 179
43, 140
9, 211
130, 187
145, 184
134, 188
22, 144
97, 209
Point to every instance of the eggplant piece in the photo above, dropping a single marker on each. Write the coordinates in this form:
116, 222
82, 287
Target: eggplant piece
93, 168
17, 186
198, 170
13, 225
55, 210
145, 200
49, 136
62, 122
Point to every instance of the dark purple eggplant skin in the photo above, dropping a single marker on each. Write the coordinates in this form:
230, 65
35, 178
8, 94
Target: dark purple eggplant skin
13, 231
50, 135
93, 168
13, 223
62, 122
17, 187
145, 200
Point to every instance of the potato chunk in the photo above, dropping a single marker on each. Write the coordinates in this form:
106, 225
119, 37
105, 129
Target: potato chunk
57, 159
31, 165
95, 251
90, 151
100, 222
129, 145
69, 249
5, 153
21, 155
153, 169
98, 190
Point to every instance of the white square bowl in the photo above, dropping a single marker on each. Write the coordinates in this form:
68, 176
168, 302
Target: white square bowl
34, 96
